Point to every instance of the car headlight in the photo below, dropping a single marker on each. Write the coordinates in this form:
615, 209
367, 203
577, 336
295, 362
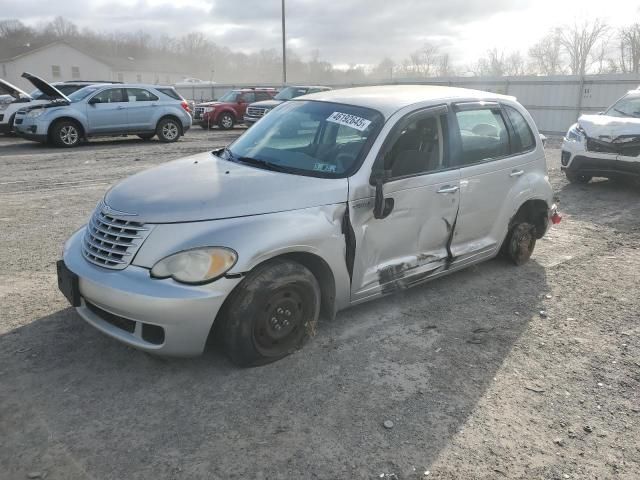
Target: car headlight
575, 134
208, 109
35, 113
196, 266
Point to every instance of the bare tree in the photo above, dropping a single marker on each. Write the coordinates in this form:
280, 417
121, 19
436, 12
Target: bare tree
514, 65
546, 55
384, 70
578, 41
60, 27
630, 48
492, 64
444, 66
424, 60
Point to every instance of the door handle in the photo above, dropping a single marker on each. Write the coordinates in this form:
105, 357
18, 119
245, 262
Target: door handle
448, 189
120, 107
516, 173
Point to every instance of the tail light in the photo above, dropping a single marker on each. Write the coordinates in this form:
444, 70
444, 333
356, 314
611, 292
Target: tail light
185, 105
556, 218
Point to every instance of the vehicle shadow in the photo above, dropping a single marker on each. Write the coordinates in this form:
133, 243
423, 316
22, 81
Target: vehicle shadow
609, 202
80, 405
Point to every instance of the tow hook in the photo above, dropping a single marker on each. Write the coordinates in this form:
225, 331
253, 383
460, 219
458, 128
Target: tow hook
556, 218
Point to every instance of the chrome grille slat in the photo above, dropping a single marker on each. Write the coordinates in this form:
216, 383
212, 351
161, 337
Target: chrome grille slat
256, 111
106, 248
110, 241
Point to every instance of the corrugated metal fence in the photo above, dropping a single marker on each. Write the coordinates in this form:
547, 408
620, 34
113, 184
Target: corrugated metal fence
554, 102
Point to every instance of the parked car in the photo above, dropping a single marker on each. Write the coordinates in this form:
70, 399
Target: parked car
104, 110
257, 110
17, 99
605, 145
230, 109
331, 200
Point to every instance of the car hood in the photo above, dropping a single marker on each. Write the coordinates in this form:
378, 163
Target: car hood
205, 187
46, 88
606, 128
15, 92
267, 103
208, 104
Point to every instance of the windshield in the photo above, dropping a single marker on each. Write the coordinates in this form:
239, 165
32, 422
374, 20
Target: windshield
628, 106
82, 93
318, 139
290, 92
229, 97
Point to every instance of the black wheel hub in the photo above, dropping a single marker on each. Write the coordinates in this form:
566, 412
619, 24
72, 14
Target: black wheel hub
280, 325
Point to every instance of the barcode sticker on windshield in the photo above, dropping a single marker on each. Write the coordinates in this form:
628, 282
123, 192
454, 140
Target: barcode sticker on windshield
347, 120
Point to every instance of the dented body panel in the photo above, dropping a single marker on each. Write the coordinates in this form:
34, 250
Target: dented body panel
440, 220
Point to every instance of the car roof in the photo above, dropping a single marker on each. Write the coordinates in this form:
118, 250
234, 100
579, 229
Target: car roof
257, 89
388, 99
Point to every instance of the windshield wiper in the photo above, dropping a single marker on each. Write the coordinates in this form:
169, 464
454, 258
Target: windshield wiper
626, 114
256, 162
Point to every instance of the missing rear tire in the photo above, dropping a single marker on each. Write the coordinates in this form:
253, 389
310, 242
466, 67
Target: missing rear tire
577, 178
520, 243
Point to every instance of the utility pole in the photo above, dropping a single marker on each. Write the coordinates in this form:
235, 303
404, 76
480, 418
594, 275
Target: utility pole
284, 49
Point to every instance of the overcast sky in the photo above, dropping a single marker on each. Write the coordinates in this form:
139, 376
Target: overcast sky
344, 31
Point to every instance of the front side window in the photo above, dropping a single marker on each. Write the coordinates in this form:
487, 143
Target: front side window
248, 97
483, 135
140, 95
82, 93
628, 106
319, 139
418, 148
112, 95
55, 71
524, 140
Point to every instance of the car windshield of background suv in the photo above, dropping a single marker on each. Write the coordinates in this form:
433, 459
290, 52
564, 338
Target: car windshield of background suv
628, 106
229, 97
289, 93
82, 93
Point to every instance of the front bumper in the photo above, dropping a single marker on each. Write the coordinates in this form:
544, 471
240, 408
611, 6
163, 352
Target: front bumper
576, 159
250, 120
31, 128
185, 313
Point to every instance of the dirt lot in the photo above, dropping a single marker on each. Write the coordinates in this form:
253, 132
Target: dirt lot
477, 383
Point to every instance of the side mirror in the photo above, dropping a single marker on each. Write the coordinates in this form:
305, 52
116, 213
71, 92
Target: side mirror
94, 100
382, 206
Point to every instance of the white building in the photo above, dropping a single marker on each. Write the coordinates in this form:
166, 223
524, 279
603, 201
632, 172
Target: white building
60, 61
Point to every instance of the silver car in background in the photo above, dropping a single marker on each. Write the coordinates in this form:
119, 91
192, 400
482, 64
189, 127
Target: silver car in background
331, 200
103, 110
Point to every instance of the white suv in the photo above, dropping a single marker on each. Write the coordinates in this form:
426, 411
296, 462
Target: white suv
605, 145
331, 200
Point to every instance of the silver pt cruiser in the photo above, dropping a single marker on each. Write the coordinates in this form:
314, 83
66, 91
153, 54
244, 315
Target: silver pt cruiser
332, 199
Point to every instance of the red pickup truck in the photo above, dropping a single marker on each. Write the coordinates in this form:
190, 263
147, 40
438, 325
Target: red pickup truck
230, 108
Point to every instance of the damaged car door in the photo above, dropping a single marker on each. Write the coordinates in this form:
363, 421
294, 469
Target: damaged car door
494, 169
421, 190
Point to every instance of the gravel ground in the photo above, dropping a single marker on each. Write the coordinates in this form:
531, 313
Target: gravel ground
476, 382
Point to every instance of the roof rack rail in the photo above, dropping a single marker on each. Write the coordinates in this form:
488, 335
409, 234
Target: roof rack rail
91, 81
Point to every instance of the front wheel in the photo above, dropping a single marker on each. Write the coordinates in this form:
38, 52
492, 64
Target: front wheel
577, 178
520, 242
65, 133
226, 121
271, 314
168, 130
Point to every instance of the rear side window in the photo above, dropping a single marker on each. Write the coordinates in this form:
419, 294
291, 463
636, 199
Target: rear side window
170, 92
262, 96
524, 140
483, 135
140, 95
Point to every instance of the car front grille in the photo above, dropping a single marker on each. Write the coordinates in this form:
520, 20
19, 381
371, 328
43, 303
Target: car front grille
256, 112
110, 241
198, 112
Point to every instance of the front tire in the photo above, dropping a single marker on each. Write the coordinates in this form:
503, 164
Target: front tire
226, 121
271, 314
577, 178
168, 130
66, 134
520, 242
